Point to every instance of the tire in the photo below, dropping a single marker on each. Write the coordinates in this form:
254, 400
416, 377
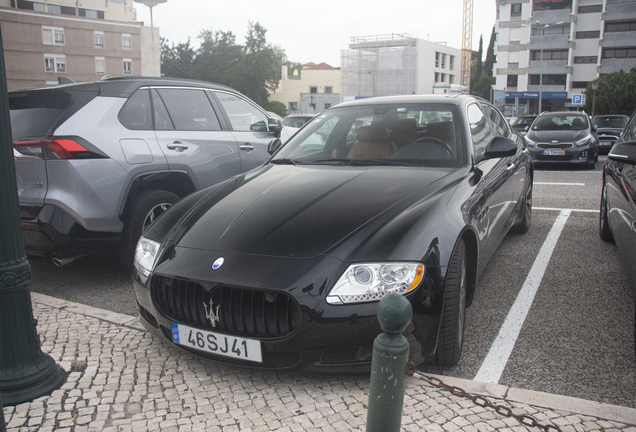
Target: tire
451, 332
603, 220
523, 226
147, 207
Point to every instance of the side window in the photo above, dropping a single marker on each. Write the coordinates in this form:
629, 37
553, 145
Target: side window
136, 114
500, 123
189, 109
243, 115
479, 129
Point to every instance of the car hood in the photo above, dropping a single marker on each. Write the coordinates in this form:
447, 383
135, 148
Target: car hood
301, 212
558, 136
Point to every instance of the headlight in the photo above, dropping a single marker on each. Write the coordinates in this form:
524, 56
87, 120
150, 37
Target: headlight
145, 255
587, 140
372, 281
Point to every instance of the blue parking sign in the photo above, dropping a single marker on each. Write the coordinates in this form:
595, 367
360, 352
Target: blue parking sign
578, 99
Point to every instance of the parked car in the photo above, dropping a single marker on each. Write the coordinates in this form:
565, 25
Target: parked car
297, 120
618, 196
283, 267
521, 124
563, 137
608, 129
98, 162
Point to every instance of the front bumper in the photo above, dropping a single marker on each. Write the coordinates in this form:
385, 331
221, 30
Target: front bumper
296, 328
564, 154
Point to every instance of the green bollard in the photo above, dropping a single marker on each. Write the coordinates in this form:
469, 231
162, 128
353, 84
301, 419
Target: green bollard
390, 354
25, 371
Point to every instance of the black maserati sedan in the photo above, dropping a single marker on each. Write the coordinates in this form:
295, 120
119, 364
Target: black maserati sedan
284, 266
563, 137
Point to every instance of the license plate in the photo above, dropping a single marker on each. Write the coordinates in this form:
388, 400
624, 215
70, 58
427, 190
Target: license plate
215, 343
554, 152
606, 143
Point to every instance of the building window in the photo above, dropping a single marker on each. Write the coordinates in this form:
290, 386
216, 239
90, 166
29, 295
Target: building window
313, 90
618, 53
91, 14
293, 106
515, 34
55, 63
437, 60
512, 81
622, 26
436, 76
443, 61
126, 42
549, 55
451, 61
515, 9
39, 7
586, 59
579, 84
442, 78
312, 107
591, 34
451, 79
327, 105
590, 9
100, 65
127, 66
328, 89
52, 35
99, 39
556, 80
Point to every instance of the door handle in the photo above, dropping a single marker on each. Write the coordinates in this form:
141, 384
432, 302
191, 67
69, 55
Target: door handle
511, 167
177, 146
247, 147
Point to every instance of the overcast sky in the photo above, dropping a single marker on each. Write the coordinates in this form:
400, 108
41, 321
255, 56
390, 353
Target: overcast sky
316, 31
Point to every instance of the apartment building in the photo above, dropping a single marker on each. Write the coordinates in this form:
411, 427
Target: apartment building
46, 42
549, 50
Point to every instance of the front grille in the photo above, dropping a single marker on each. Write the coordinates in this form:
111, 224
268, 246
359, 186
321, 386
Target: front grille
607, 137
241, 311
564, 158
550, 146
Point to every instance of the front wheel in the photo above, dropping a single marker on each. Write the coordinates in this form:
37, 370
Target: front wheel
603, 221
148, 206
451, 332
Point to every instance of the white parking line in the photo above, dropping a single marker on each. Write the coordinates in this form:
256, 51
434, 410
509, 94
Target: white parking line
558, 184
495, 362
570, 210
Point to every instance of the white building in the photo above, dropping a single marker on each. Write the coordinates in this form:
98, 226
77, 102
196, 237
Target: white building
397, 64
549, 50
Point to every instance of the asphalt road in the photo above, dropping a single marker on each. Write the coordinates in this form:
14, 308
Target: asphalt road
577, 338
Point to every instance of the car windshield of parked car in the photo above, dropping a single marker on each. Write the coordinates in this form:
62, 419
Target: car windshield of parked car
392, 134
610, 122
296, 122
560, 122
524, 121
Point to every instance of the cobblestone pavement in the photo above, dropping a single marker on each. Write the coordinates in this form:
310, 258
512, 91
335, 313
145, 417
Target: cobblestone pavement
122, 379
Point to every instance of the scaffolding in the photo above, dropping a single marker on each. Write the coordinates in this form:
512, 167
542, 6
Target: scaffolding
379, 65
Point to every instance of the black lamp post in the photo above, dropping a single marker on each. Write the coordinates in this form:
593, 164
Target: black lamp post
25, 371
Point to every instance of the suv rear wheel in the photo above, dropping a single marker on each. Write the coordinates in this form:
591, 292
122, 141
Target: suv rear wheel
148, 206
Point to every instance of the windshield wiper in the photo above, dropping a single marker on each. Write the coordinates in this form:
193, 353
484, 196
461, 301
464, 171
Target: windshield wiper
285, 161
379, 162
331, 161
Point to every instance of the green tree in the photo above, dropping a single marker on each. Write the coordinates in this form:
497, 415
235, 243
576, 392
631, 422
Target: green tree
616, 94
480, 54
277, 107
219, 58
176, 60
490, 54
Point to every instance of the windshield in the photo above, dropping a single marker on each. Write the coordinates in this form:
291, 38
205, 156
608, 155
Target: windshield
296, 122
556, 122
524, 121
395, 134
610, 122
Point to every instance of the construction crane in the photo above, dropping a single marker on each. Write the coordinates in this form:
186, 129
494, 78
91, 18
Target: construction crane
467, 43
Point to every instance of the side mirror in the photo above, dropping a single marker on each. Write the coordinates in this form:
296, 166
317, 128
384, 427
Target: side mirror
274, 145
274, 126
624, 152
499, 147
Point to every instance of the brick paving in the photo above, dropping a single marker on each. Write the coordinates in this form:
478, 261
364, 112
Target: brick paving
122, 379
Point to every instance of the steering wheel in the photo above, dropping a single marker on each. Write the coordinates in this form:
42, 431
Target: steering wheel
438, 144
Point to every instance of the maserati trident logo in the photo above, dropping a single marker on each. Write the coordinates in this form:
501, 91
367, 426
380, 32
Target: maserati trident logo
211, 314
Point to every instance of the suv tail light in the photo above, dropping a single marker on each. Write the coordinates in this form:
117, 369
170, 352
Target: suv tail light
58, 148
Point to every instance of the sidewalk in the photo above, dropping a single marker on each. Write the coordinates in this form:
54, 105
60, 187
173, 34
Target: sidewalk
121, 379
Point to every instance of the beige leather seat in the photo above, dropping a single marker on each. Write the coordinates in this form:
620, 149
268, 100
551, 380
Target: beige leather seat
443, 131
373, 143
405, 132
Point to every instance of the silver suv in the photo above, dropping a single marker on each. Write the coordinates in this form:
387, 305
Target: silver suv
98, 162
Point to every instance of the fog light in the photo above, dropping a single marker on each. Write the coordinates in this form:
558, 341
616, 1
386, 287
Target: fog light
583, 155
